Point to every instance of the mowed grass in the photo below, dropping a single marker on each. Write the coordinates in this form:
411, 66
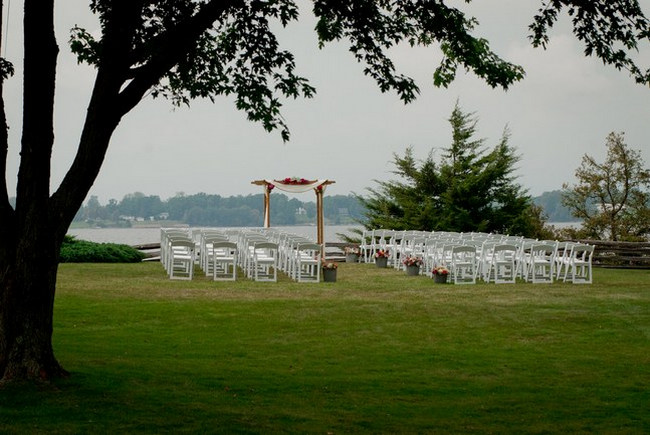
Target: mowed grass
376, 352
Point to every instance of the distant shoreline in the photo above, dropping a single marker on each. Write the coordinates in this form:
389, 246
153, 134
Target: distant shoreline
169, 224
139, 235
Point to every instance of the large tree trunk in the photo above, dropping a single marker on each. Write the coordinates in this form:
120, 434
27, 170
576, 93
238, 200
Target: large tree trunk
30, 253
26, 308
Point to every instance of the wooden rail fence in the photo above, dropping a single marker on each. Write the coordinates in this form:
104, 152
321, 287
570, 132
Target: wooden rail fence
620, 254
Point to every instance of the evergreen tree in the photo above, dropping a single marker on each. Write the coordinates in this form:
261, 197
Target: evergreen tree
469, 188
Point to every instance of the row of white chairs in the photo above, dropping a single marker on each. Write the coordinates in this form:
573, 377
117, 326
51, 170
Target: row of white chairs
181, 249
259, 253
490, 257
177, 252
269, 249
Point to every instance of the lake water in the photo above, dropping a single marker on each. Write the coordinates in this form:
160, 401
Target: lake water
139, 236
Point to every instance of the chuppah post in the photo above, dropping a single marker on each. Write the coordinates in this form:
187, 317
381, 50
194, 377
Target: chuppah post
319, 222
267, 207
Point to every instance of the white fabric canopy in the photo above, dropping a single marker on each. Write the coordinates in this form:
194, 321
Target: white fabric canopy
296, 185
296, 188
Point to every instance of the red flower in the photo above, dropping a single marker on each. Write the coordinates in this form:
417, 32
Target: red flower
295, 180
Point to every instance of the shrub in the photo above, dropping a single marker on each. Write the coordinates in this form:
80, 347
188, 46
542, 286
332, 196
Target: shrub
82, 251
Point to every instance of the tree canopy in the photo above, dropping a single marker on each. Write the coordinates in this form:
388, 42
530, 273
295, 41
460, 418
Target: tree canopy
186, 49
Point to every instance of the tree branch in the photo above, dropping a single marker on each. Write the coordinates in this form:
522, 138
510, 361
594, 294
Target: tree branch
170, 48
114, 95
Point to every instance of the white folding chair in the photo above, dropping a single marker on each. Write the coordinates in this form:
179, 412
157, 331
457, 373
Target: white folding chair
166, 235
289, 253
540, 265
523, 257
207, 251
182, 259
307, 262
265, 261
463, 264
502, 268
246, 251
224, 261
578, 269
365, 247
484, 267
562, 258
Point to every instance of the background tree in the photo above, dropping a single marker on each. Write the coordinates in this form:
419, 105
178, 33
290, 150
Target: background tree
185, 49
140, 205
467, 189
612, 198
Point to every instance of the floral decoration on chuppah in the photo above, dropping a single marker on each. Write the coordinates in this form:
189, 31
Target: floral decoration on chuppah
296, 180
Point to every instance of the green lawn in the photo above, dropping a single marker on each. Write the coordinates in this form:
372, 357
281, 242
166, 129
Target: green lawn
376, 352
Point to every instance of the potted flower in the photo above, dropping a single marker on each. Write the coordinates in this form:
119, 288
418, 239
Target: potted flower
412, 265
352, 254
440, 274
329, 271
381, 258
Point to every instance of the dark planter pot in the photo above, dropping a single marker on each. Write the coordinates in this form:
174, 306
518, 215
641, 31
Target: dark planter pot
412, 270
351, 258
329, 275
381, 262
440, 279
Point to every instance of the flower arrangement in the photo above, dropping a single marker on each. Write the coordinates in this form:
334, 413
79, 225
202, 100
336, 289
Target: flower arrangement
328, 265
412, 261
440, 270
354, 250
295, 180
382, 254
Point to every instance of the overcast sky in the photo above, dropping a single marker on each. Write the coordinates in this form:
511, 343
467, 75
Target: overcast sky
564, 108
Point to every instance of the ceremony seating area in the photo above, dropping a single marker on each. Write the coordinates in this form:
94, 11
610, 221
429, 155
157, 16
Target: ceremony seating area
493, 258
259, 253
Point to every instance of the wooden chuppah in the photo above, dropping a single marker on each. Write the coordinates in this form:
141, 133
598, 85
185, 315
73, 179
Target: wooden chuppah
296, 185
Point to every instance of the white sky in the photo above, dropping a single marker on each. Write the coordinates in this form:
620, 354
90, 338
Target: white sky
564, 108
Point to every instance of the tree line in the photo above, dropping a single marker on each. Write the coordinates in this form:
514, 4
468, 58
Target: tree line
204, 209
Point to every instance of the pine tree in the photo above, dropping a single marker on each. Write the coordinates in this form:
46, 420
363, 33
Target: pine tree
469, 188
